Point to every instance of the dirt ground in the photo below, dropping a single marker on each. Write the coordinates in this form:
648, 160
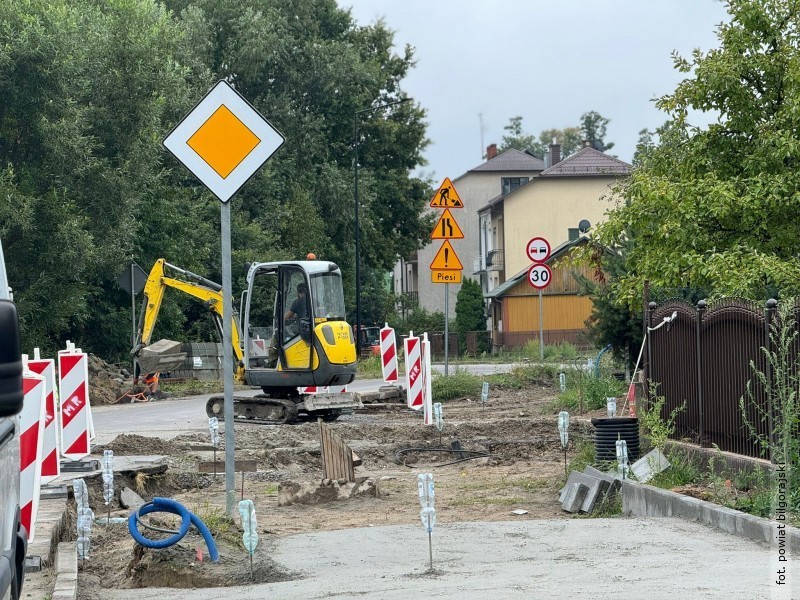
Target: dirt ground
524, 470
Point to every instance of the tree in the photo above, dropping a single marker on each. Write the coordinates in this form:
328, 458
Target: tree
718, 208
569, 138
516, 138
470, 311
91, 88
593, 129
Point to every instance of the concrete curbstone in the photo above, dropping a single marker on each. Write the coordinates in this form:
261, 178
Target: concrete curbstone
641, 500
66, 583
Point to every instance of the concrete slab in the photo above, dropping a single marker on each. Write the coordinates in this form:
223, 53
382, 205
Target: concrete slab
650, 465
576, 494
596, 490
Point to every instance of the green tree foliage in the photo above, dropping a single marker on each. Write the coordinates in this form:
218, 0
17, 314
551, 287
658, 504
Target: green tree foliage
517, 138
717, 208
569, 138
470, 311
91, 88
593, 130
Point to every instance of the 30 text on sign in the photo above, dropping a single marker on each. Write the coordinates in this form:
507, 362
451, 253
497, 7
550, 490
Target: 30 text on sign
539, 276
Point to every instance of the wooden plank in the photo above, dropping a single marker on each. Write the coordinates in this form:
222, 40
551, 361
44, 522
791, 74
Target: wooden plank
207, 466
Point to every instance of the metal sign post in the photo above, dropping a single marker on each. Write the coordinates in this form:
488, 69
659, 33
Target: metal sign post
539, 276
446, 328
224, 141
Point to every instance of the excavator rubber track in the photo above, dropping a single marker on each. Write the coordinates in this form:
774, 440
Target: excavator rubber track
261, 409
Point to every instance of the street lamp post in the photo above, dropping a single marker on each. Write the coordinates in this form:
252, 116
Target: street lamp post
358, 228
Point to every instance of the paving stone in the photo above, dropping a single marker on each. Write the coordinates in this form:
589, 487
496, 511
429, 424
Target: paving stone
576, 493
130, 499
597, 489
650, 465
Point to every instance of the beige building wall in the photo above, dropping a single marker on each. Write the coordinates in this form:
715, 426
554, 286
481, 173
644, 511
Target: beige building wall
475, 189
548, 208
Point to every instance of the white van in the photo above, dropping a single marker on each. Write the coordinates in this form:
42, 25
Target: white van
13, 543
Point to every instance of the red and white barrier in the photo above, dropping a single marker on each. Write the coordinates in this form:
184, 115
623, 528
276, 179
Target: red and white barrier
413, 371
312, 389
31, 427
388, 354
51, 465
73, 386
337, 389
427, 376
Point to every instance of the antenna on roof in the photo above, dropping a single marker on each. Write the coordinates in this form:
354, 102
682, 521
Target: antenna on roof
483, 148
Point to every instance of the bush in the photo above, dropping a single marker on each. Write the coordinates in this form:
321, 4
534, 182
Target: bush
457, 385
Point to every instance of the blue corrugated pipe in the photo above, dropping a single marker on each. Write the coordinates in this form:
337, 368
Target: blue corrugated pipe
187, 519
597, 360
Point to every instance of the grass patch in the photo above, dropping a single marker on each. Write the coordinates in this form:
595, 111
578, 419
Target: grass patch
271, 489
581, 455
683, 470
370, 368
220, 526
459, 384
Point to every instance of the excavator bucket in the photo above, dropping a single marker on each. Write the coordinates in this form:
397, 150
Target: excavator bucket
162, 356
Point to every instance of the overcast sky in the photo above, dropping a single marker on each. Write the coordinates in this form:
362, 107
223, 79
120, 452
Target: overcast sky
548, 61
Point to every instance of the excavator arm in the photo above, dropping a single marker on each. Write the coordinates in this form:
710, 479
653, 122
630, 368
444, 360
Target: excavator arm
194, 285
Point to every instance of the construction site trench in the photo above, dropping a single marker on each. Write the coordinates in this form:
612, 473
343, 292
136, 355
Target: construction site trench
519, 467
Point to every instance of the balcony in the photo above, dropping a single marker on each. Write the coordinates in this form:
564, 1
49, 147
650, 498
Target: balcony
477, 266
494, 260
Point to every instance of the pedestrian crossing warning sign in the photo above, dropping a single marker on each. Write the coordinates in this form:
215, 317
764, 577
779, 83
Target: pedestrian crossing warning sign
446, 196
447, 228
446, 259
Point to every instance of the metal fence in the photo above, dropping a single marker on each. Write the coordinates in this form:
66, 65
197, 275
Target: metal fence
703, 358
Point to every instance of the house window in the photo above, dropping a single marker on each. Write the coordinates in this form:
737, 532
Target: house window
512, 183
573, 234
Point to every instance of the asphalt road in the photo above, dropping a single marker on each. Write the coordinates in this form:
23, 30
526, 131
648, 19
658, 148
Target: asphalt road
570, 558
176, 416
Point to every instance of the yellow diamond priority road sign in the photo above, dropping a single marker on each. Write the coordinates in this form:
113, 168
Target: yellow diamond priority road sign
223, 141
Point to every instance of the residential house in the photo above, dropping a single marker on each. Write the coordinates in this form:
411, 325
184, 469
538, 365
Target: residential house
500, 174
580, 187
516, 309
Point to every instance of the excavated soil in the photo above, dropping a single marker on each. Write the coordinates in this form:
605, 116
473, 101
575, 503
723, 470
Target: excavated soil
521, 468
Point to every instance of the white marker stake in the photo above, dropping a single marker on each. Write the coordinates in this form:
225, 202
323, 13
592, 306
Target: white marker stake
427, 496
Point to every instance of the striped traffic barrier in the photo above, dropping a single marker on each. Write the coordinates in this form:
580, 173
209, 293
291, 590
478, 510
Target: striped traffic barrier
427, 376
337, 389
31, 427
312, 389
89, 415
51, 465
73, 386
413, 371
388, 354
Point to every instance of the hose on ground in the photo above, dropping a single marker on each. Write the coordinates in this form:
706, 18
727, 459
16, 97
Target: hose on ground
187, 520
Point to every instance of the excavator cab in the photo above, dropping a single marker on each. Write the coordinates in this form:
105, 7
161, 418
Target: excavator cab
295, 333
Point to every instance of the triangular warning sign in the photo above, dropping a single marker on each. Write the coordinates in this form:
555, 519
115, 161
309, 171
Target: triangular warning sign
447, 228
446, 196
446, 259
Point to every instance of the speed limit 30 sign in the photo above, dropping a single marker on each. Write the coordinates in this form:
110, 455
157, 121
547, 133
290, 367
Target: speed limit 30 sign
539, 276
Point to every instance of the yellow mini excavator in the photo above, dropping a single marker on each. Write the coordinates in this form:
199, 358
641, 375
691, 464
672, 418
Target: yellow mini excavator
293, 334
